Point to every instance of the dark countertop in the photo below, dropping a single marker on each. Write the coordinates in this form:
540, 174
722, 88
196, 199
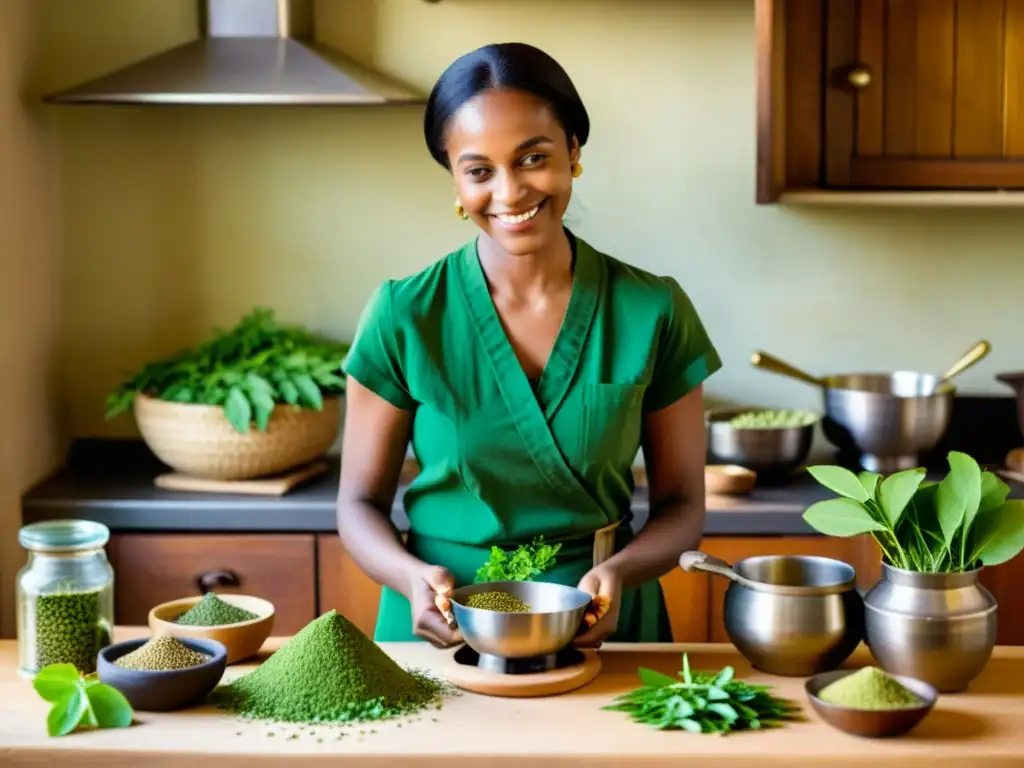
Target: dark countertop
111, 481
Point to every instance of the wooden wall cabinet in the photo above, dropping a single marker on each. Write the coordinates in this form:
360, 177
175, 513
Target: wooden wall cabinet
883, 96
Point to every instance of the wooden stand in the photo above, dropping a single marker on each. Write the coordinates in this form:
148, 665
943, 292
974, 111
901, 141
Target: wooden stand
277, 485
551, 683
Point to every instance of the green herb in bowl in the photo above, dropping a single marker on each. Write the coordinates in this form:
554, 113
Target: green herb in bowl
772, 419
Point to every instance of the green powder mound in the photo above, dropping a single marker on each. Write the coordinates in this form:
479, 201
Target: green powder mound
329, 672
211, 611
497, 601
869, 688
162, 653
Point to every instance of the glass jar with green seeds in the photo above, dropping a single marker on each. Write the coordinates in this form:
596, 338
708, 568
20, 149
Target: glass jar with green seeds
65, 595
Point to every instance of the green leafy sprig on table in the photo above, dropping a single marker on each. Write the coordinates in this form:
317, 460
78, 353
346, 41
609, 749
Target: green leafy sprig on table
955, 525
80, 701
703, 702
524, 564
248, 370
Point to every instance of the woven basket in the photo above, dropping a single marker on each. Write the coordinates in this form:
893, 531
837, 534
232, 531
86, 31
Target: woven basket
198, 440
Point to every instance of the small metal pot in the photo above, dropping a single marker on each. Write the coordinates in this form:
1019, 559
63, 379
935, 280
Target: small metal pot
936, 627
773, 453
793, 615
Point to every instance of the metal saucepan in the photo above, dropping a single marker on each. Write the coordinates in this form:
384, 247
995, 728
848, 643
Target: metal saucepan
887, 420
793, 615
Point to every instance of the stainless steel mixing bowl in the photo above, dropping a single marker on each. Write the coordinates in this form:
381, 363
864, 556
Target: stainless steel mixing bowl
773, 453
788, 614
556, 615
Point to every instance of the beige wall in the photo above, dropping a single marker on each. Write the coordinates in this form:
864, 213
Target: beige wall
29, 282
176, 219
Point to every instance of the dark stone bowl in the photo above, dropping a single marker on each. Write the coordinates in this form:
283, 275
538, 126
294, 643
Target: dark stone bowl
163, 690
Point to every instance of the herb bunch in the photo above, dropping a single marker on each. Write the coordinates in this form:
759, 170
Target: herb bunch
703, 702
524, 564
80, 701
248, 370
957, 524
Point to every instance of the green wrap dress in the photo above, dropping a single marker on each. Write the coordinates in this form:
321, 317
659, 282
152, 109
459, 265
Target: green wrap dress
504, 460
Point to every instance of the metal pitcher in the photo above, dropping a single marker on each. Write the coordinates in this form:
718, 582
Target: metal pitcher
793, 615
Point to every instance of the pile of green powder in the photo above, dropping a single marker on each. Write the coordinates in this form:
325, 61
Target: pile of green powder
330, 672
211, 611
869, 688
161, 653
69, 629
497, 601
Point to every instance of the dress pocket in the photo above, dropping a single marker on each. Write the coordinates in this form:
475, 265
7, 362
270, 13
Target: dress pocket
612, 416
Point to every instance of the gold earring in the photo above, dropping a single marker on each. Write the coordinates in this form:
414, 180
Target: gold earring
577, 170
460, 211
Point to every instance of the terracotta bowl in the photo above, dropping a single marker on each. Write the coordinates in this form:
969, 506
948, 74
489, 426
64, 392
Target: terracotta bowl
242, 640
884, 723
162, 690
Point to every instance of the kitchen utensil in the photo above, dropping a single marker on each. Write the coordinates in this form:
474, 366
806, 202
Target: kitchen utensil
936, 627
788, 614
523, 678
773, 453
163, 690
242, 640
1015, 380
555, 616
969, 358
728, 479
872, 723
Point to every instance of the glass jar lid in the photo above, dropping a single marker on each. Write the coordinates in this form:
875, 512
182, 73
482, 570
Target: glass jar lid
63, 535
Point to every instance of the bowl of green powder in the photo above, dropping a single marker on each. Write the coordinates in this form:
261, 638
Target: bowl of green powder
163, 673
869, 701
240, 622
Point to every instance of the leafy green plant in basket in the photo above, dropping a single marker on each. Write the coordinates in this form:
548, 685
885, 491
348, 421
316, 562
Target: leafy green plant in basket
247, 370
957, 524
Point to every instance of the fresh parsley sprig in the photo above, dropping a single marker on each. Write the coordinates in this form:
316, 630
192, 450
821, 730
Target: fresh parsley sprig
524, 564
703, 702
80, 701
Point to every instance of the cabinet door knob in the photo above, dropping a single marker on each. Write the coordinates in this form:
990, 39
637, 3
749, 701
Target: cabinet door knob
859, 77
211, 580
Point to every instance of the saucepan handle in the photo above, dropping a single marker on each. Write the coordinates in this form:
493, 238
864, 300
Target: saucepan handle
702, 561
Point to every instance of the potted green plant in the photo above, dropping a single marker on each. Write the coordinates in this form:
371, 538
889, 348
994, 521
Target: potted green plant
252, 401
929, 616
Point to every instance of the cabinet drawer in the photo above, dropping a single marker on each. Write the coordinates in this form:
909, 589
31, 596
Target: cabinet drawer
154, 568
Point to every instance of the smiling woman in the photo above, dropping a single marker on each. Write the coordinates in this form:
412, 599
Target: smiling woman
528, 369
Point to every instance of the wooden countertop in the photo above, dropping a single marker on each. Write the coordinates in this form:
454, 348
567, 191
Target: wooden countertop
981, 727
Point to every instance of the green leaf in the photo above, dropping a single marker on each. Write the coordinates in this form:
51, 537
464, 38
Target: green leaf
238, 410
959, 495
840, 517
998, 534
109, 706
289, 392
896, 492
66, 713
724, 677
840, 480
653, 679
263, 405
308, 390
724, 711
687, 675
55, 681
870, 482
993, 492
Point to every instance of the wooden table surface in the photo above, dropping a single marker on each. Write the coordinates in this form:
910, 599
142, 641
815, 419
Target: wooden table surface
984, 726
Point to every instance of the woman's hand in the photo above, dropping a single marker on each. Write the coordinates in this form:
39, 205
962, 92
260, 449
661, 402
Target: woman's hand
428, 596
602, 616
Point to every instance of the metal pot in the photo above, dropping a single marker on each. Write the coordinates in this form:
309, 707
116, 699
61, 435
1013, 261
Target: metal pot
936, 627
773, 453
887, 420
793, 615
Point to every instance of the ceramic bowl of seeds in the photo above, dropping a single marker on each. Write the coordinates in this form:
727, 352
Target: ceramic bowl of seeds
163, 673
240, 622
869, 701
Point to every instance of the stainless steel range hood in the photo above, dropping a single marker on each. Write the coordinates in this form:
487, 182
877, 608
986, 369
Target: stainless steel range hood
250, 52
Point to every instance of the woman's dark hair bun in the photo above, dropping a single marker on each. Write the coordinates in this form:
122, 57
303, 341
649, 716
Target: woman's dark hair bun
503, 65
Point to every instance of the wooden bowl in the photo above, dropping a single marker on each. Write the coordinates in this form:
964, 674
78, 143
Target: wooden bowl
880, 723
728, 479
242, 639
162, 690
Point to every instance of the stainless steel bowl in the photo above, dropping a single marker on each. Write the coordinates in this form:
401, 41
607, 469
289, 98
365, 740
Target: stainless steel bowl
886, 419
788, 614
773, 453
556, 615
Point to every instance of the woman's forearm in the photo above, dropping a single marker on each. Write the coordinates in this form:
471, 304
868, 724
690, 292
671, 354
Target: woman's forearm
375, 545
676, 525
